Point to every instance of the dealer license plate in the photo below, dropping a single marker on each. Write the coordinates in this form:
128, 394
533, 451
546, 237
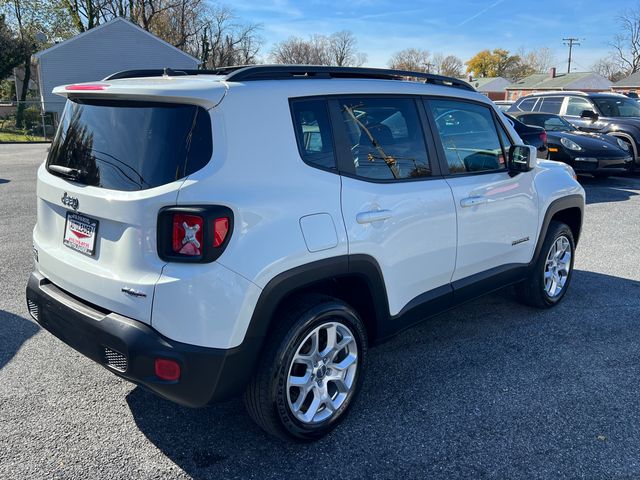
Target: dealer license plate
80, 233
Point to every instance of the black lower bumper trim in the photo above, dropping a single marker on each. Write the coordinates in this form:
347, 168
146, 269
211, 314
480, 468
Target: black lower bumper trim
207, 374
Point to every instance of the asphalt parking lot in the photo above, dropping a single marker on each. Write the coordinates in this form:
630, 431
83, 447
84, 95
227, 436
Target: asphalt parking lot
490, 390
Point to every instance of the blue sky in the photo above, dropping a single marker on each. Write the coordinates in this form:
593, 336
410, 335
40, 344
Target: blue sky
459, 27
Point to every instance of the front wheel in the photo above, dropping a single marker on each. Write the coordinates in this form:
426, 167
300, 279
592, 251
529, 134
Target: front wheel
311, 369
549, 280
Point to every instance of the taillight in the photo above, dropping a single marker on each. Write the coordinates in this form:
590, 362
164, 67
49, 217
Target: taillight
193, 234
543, 137
166, 369
187, 234
220, 229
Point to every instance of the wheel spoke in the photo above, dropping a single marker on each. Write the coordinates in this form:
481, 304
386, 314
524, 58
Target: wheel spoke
300, 382
345, 363
302, 396
340, 384
332, 336
313, 407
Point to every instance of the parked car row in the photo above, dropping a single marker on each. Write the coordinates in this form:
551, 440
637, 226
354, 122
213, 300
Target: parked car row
597, 133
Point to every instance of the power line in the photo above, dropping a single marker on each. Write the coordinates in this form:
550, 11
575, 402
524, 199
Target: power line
570, 42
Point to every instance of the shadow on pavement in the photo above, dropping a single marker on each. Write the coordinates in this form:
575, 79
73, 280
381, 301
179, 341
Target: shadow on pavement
612, 189
481, 389
4, 180
14, 331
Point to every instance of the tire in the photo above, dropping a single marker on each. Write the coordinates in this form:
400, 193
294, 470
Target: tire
333, 378
537, 290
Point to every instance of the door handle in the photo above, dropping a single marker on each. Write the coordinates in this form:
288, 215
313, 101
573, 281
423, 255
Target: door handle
473, 201
373, 216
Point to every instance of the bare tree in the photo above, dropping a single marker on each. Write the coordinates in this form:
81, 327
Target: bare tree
610, 68
411, 59
338, 49
343, 50
225, 42
626, 45
538, 61
449, 66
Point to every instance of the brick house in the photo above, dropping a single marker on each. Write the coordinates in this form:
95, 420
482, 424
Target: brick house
552, 81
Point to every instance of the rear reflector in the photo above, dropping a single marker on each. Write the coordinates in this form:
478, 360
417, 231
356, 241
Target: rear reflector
88, 86
167, 369
221, 228
187, 234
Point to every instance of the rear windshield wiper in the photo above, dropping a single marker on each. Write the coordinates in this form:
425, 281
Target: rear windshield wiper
71, 173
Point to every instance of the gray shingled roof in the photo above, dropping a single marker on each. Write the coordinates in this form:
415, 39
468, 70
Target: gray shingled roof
567, 81
632, 80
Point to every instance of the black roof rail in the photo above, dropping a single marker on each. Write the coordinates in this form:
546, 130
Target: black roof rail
159, 72
245, 73
282, 72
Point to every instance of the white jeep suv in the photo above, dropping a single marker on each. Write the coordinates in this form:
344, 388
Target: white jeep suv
255, 229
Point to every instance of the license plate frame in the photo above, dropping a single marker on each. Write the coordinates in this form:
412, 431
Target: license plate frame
80, 233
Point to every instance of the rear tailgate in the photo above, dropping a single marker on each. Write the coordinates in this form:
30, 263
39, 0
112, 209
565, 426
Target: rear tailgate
119, 156
125, 243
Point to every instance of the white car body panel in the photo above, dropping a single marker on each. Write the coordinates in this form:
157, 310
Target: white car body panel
487, 231
256, 171
415, 245
126, 253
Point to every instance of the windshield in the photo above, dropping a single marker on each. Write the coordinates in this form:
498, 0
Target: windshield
617, 106
125, 145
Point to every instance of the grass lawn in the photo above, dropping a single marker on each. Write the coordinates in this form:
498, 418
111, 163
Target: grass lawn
19, 137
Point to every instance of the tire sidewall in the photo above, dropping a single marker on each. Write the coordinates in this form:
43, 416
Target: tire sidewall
316, 316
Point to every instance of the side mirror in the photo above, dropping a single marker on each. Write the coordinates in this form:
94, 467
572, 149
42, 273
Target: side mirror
522, 158
590, 114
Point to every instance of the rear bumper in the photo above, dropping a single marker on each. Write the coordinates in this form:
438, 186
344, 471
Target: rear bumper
129, 348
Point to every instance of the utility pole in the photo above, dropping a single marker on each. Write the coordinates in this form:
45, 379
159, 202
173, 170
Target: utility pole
570, 42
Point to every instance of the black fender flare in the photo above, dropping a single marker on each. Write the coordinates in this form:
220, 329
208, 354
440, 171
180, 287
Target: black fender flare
563, 203
295, 280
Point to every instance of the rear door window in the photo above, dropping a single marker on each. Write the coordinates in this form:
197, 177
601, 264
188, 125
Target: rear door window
550, 104
130, 145
385, 138
527, 105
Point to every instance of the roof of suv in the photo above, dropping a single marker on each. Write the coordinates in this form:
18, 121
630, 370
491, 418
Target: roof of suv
574, 93
208, 87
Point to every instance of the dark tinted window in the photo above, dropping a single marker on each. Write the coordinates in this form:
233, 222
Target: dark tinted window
550, 104
527, 104
385, 136
618, 106
130, 145
469, 137
313, 132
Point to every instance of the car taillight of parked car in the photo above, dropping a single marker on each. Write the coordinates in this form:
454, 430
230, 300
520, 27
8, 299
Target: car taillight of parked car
193, 234
543, 137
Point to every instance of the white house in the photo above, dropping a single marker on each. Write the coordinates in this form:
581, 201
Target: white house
93, 55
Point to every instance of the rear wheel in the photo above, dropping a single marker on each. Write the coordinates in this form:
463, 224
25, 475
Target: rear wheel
551, 274
311, 369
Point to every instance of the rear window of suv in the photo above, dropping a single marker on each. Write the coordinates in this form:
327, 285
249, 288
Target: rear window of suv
130, 145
